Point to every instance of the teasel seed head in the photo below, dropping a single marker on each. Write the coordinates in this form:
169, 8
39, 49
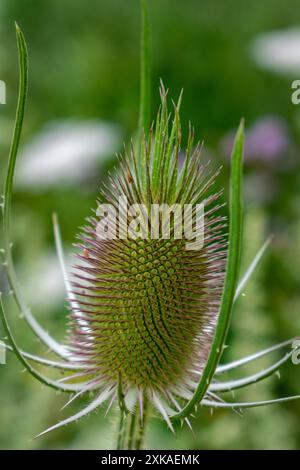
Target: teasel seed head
146, 309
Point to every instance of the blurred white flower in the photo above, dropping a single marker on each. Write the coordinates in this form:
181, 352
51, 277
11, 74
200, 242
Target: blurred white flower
278, 51
66, 152
43, 280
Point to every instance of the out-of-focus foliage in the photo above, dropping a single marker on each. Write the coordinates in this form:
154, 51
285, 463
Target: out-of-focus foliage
84, 59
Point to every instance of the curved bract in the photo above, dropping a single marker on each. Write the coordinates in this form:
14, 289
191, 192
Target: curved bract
6, 207
231, 279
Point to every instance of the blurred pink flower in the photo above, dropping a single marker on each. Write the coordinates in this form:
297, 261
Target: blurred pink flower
266, 141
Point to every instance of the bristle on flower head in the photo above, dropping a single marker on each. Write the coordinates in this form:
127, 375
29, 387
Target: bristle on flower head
146, 308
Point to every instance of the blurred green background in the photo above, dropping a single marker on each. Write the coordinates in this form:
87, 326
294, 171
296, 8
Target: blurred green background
83, 103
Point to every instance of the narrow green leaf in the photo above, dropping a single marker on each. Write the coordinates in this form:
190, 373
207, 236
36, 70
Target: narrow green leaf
7, 254
23, 90
231, 278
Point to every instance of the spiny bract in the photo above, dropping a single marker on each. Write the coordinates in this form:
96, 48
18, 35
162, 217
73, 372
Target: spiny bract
145, 310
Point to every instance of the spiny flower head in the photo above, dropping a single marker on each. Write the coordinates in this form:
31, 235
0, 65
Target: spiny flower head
146, 309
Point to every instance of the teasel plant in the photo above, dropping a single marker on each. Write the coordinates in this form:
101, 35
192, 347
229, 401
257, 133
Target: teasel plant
148, 319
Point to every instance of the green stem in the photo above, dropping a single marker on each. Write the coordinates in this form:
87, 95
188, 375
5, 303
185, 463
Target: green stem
132, 428
142, 426
145, 98
121, 431
132, 431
